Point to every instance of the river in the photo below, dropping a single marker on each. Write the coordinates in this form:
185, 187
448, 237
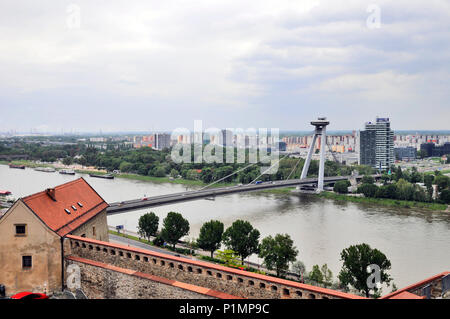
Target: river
417, 242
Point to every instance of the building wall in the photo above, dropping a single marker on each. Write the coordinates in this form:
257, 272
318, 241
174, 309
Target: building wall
183, 270
39, 242
100, 224
100, 283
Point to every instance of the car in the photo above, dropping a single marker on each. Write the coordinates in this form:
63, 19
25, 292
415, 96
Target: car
145, 198
26, 295
258, 182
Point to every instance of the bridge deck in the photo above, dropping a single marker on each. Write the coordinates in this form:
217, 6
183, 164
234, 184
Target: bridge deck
130, 205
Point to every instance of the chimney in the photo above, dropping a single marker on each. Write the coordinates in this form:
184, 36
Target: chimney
51, 193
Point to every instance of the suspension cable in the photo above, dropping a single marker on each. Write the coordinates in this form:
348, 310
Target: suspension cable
294, 168
228, 176
266, 170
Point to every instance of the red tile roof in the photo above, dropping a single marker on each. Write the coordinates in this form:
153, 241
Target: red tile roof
407, 295
174, 283
52, 212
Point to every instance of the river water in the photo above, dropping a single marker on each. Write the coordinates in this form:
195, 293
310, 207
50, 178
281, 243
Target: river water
417, 242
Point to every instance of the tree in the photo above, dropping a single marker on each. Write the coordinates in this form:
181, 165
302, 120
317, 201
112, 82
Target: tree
341, 187
442, 182
367, 179
174, 173
148, 225
158, 171
327, 275
356, 260
125, 166
174, 227
316, 274
210, 236
242, 238
68, 160
278, 252
445, 196
369, 190
229, 258
416, 177
299, 269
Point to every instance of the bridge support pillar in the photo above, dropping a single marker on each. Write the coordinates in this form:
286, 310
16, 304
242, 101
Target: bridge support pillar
320, 130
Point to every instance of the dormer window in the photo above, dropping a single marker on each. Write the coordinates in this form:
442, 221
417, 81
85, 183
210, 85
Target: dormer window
74, 208
79, 204
67, 211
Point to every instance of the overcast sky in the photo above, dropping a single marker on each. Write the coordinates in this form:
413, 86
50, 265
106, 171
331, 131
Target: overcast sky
158, 65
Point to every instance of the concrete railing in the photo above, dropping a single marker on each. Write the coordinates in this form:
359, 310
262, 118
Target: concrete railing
225, 279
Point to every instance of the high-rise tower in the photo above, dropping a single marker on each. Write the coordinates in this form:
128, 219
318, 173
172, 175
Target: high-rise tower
377, 144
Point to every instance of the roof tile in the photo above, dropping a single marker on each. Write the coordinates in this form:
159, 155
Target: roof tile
53, 212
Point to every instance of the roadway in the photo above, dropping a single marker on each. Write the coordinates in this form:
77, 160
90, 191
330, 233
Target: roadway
136, 204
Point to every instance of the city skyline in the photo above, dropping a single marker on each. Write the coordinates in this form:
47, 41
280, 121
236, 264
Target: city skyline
159, 66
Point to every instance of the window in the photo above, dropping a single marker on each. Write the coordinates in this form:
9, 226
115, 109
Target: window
26, 262
286, 292
93, 231
21, 230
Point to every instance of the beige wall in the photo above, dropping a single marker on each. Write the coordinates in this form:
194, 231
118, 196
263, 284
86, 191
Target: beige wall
101, 228
39, 242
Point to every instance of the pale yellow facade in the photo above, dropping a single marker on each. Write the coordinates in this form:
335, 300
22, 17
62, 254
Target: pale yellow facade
40, 243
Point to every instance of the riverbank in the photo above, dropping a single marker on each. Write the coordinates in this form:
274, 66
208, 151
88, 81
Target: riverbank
385, 201
144, 178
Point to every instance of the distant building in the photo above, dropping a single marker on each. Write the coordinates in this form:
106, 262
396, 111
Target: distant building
432, 150
377, 144
161, 141
408, 153
33, 229
226, 138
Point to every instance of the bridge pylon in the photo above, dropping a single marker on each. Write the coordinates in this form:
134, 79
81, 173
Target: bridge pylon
320, 130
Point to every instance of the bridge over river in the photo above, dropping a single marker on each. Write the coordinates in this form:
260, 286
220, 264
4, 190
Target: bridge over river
136, 204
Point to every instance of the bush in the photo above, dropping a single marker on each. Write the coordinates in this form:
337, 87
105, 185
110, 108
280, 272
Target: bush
445, 196
369, 190
341, 187
158, 241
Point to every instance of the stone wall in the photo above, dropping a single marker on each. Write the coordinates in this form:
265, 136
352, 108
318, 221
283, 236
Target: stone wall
102, 283
224, 279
